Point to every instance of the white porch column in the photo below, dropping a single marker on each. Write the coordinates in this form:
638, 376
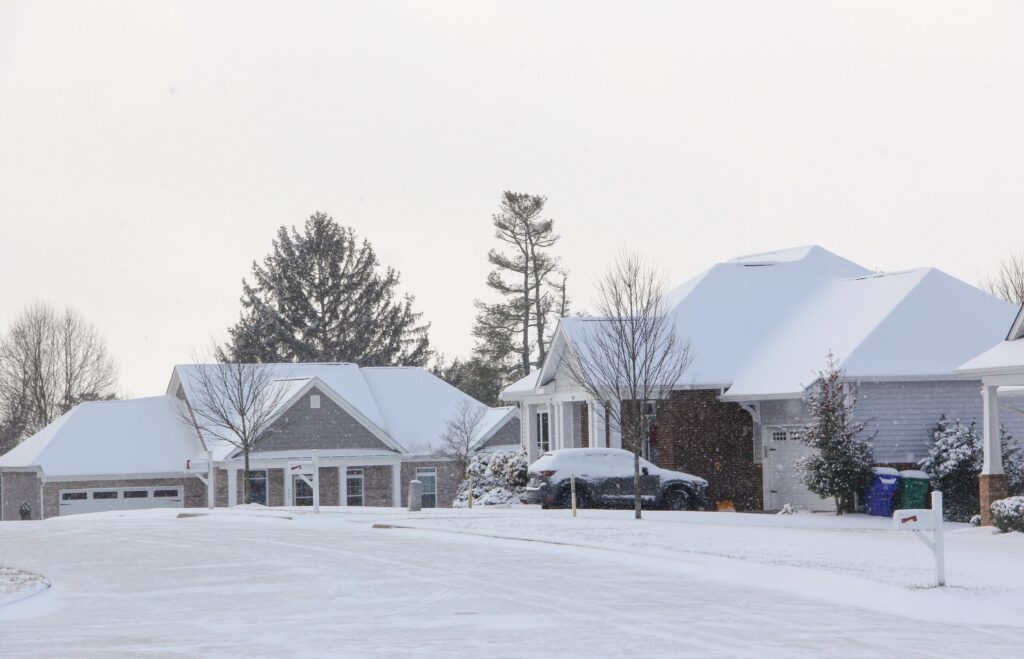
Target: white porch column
565, 428
343, 485
595, 423
616, 437
232, 486
993, 452
211, 481
396, 486
529, 427
288, 500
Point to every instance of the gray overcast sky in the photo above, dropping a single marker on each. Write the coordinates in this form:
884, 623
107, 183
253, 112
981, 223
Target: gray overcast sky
149, 151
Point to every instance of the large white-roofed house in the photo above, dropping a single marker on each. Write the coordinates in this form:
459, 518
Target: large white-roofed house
372, 431
760, 329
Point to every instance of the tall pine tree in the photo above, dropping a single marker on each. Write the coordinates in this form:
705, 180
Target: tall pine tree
513, 333
321, 296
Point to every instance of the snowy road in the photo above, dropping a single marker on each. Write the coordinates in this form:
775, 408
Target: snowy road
236, 583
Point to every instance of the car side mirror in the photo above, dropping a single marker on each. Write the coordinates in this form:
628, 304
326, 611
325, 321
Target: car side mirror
643, 470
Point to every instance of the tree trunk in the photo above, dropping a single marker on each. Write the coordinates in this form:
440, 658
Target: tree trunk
636, 480
839, 505
526, 322
245, 476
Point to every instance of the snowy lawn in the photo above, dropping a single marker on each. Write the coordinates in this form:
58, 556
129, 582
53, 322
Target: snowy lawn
505, 582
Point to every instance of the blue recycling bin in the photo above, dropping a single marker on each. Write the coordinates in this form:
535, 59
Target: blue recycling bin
879, 497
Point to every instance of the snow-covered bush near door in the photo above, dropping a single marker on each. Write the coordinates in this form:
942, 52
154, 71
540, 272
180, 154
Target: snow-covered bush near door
1008, 514
497, 479
954, 462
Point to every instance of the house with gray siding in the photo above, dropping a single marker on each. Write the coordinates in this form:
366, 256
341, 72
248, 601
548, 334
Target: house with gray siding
760, 328
371, 430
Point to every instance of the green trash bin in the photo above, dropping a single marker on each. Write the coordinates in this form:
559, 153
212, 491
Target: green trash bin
914, 489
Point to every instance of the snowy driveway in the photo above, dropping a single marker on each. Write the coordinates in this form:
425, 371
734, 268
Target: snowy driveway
256, 584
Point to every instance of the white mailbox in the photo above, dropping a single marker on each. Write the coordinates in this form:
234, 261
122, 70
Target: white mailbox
920, 520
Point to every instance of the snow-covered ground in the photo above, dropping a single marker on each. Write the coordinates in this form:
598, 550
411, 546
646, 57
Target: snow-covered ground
505, 582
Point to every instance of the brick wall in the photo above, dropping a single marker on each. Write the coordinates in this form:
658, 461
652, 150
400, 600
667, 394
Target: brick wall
701, 435
377, 486
17, 487
329, 486
275, 487
448, 479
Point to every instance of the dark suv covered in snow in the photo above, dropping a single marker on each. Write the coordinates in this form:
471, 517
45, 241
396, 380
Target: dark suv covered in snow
604, 479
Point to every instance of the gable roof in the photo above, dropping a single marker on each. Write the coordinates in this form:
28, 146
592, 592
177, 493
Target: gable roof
762, 325
494, 420
406, 407
138, 436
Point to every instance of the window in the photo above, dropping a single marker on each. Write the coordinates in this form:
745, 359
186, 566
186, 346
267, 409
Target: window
543, 434
314, 402
104, 495
649, 449
134, 494
74, 496
165, 493
354, 487
301, 491
258, 487
428, 476
785, 434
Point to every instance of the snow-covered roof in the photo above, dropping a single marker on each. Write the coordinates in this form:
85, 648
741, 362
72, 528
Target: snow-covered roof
409, 405
1006, 357
762, 325
524, 384
137, 436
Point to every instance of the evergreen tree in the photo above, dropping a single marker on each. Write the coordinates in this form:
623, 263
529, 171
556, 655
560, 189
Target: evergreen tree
954, 462
841, 464
321, 296
475, 377
513, 334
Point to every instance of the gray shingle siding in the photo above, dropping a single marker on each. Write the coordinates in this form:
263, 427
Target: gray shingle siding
507, 435
903, 414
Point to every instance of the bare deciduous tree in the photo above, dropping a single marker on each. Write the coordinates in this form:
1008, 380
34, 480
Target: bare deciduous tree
630, 353
457, 440
1008, 281
234, 403
50, 361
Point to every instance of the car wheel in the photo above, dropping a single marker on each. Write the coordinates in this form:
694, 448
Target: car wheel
677, 499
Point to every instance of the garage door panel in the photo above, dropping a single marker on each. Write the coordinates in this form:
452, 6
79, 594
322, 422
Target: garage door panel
73, 502
784, 450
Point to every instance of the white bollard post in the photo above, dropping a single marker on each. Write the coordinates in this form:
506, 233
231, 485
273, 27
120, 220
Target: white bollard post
940, 549
211, 493
572, 487
316, 482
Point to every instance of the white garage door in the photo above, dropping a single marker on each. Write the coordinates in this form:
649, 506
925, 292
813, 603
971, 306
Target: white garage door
96, 500
784, 485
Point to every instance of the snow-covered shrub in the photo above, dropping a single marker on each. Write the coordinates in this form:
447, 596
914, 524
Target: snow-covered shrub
976, 520
791, 509
1008, 514
954, 462
497, 479
840, 466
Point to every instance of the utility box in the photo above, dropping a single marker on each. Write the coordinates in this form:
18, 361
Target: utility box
415, 495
